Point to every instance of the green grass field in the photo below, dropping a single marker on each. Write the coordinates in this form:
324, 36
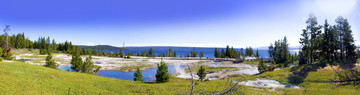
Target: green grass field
21, 78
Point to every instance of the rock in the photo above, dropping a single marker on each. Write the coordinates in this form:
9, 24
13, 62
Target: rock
288, 85
98, 62
210, 72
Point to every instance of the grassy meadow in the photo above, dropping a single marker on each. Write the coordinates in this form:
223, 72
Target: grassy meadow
21, 78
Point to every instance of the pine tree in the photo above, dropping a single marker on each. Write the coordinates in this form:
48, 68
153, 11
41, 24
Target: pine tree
227, 52
222, 55
333, 42
201, 73
54, 47
151, 53
138, 54
315, 37
302, 60
305, 53
50, 62
170, 53
326, 42
242, 51
88, 51
43, 43
280, 52
76, 61
347, 46
193, 53
262, 66
232, 53
144, 53
93, 51
83, 51
48, 43
217, 53
87, 66
162, 74
285, 54
257, 54
246, 51
138, 75
271, 51
251, 52
201, 54
174, 54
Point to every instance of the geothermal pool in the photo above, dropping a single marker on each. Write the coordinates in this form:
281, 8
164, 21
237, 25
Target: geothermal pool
148, 74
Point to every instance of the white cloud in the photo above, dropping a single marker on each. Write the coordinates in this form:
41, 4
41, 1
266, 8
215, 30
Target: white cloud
88, 44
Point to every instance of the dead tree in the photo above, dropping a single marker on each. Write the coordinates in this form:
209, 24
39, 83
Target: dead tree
230, 88
350, 76
192, 81
6, 45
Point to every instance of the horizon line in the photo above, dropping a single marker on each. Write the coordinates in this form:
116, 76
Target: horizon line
261, 47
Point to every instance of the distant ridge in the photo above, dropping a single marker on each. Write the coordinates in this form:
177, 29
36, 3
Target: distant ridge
103, 47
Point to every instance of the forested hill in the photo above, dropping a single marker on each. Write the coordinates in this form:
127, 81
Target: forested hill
103, 47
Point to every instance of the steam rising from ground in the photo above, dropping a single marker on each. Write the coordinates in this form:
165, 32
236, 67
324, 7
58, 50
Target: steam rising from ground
182, 73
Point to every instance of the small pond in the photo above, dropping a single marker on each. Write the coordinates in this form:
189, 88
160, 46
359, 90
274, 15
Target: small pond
65, 68
148, 74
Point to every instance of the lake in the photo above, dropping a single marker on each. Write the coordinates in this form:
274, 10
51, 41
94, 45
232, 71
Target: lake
182, 51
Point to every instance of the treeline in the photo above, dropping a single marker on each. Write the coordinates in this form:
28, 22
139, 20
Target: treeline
319, 43
43, 44
327, 42
194, 54
232, 53
149, 53
279, 53
168, 53
97, 52
17, 41
47, 45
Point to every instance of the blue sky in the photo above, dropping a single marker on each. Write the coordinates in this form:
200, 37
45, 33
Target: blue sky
199, 23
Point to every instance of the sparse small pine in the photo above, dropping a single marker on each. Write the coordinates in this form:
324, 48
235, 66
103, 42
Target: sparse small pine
76, 62
262, 66
201, 73
162, 74
138, 75
88, 65
50, 62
